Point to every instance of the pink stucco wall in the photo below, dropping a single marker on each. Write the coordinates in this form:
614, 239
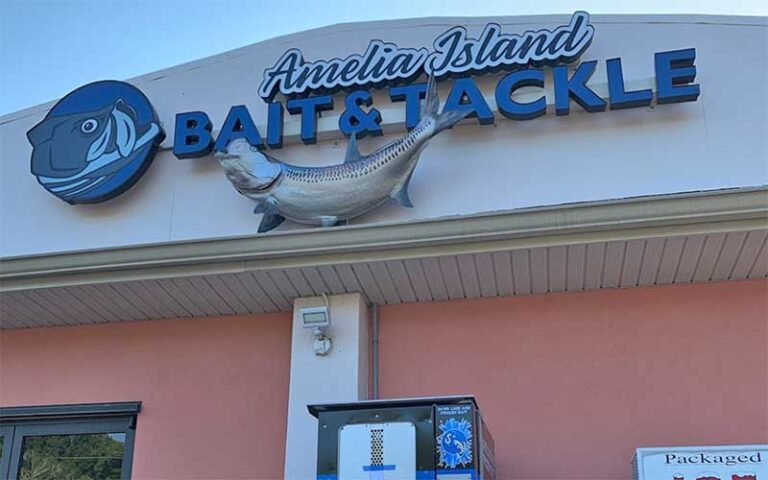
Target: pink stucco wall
571, 383
214, 391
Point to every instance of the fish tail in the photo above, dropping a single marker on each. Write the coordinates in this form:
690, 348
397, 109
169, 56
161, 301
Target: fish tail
450, 118
446, 119
433, 99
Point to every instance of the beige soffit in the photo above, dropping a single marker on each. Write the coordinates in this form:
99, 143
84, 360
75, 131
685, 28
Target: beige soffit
727, 210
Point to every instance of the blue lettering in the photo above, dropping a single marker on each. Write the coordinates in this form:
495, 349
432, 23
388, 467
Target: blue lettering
576, 89
517, 110
674, 73
192, 137
355, 120
412, 95
619, 97
238, 124
275, 125
465, 95
309, 108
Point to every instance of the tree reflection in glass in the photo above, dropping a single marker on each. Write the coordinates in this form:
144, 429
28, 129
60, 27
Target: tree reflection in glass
96, 456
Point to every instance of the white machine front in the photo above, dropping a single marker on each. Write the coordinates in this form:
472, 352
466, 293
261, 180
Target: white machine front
377, 451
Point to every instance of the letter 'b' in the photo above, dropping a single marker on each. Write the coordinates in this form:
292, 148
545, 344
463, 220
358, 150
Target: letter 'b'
192, 137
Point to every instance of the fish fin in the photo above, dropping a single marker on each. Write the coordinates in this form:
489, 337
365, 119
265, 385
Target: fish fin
353, 152
270, 221
99, 146
401, 194
126, 130
329, 221
402, 197
263, 206
432, 103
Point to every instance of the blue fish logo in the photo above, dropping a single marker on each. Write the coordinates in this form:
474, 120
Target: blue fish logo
95, 143
454, 444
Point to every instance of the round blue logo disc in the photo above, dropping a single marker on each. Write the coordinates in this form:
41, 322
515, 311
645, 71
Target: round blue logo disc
95, 143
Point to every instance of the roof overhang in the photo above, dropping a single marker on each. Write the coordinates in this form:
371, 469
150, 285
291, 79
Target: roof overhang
482, 254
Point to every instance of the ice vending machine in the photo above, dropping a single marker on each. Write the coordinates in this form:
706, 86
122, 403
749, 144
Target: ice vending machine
443, 438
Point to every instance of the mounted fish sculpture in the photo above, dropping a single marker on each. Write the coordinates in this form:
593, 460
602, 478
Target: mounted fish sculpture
327, 196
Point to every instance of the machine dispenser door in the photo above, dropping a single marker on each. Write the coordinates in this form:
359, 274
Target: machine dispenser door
377, 451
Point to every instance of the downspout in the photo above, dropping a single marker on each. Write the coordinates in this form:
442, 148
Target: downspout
375, 351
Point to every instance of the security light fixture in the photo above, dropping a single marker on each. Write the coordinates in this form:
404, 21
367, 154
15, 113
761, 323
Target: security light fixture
315, 317
319, 320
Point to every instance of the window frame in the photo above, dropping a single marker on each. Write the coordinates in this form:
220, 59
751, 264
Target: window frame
16, 423
7, 433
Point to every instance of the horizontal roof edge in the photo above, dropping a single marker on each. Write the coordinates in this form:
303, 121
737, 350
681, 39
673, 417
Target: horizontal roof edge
714, 210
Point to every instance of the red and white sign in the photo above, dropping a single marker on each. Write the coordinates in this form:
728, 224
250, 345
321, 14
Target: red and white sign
735, 462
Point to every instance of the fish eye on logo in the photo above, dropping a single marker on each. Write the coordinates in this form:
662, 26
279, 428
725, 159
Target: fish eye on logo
95, 143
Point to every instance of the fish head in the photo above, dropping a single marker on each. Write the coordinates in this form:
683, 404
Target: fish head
63, 146
247, 167
60, 144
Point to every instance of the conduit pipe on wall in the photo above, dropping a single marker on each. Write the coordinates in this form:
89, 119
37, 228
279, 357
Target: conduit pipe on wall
374, 351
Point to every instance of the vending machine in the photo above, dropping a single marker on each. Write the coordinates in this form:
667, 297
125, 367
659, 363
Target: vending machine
443, 438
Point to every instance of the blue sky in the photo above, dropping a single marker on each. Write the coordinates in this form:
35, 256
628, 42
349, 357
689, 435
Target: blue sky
49, 47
